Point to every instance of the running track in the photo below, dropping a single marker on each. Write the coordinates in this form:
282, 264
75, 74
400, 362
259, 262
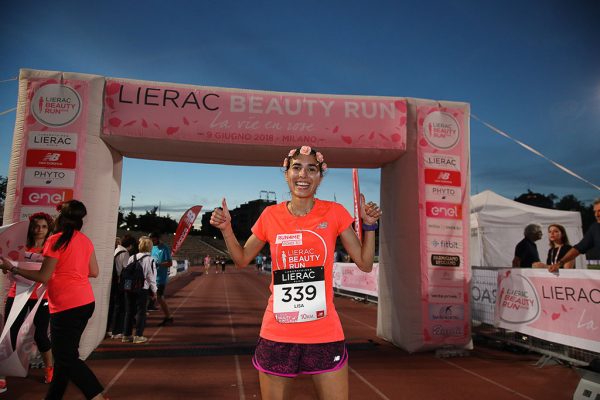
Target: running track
206, 354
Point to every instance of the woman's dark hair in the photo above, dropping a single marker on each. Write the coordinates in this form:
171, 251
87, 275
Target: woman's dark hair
563, 234
69, 220
30, 231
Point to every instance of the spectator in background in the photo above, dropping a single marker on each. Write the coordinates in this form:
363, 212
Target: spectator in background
591, 240
526, 252
259, 262
69, 262
206, 263
40, 226
559, 245
136, 303
162, 257
116, 312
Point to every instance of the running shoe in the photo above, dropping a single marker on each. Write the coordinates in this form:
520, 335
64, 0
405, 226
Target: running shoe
3, 387
127, 339
140, 339
117, 336
49, 373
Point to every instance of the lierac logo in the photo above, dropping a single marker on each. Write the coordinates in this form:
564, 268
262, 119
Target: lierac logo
56, 105
441, 130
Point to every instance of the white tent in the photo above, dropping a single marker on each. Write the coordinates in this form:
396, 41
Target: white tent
497, 225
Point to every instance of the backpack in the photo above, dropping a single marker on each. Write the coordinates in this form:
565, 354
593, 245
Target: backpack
132, 276
115, 275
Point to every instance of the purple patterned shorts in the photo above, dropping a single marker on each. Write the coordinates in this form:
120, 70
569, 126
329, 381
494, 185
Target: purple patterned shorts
292, 359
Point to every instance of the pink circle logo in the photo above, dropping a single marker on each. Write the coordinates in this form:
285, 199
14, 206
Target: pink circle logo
441, 130
56, 105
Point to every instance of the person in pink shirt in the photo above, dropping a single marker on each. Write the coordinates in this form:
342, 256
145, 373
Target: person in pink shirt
301, 332
40, 226
69, 261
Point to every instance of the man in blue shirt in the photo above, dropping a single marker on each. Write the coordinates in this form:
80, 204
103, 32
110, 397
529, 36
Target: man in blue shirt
162, 256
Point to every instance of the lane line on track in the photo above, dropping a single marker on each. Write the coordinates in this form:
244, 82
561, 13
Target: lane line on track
238, 370
487, 380
369, 384
180, 305
118, 375
356, 320
131, 360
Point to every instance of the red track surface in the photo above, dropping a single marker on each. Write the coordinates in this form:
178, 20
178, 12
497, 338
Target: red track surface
206, 355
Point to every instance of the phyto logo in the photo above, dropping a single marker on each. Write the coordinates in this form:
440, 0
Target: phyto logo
441, 130
56, 105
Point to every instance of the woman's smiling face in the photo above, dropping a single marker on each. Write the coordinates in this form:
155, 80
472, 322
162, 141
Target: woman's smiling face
303, 176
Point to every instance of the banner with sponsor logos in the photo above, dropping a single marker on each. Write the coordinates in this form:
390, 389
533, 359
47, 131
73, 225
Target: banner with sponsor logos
52, 146
561, 308
234, 116
443, 195
484, 288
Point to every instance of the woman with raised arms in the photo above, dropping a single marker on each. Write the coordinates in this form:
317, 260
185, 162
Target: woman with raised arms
301, 332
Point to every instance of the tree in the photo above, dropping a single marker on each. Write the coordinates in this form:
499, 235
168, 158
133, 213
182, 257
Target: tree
537, 199
3, 182
567, 203
150, 222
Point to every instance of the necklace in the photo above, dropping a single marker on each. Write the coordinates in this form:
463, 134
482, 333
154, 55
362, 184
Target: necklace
298, 213
555, 260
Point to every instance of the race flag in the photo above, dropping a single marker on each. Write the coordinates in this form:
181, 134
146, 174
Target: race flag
185, 226
357, 219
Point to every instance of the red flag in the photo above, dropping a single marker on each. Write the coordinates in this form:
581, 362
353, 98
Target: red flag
185, 226
357, 219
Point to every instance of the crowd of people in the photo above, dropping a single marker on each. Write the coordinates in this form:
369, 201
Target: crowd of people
301, 234
68, 261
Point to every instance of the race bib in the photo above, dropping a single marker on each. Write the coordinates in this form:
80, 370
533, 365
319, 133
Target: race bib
299, 295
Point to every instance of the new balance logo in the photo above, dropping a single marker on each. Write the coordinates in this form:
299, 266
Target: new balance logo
51, 157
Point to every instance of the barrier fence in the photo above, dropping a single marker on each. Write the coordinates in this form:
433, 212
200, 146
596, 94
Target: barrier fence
555, 315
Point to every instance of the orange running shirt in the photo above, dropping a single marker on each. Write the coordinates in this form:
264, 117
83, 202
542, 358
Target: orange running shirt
303, 242
69, 285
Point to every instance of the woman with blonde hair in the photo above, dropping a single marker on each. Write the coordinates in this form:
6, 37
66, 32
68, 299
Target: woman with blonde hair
136, 301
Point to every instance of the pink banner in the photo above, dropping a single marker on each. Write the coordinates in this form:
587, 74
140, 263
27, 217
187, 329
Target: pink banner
54, 139
348, 277
561, 308
443, 204
185, 226
218, 115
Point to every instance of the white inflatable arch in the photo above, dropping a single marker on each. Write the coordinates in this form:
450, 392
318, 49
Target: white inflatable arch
72, 131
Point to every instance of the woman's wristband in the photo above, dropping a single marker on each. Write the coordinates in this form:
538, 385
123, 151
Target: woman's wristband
367, 227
